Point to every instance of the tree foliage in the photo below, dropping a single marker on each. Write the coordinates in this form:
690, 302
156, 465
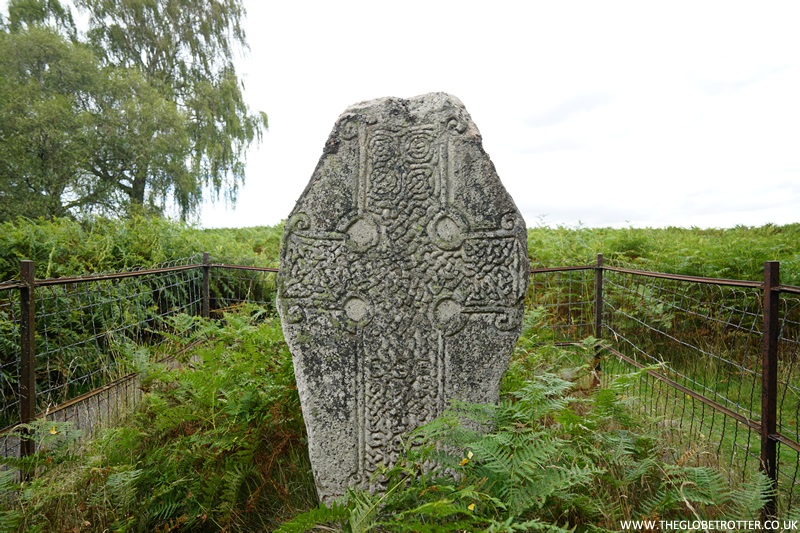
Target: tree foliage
143, 110
45, 123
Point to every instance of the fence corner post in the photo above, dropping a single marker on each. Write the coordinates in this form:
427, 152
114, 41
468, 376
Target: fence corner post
598, 317
205, 306
27, 341
769, 382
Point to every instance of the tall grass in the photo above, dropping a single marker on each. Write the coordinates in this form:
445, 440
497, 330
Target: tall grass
63, 247
735, 253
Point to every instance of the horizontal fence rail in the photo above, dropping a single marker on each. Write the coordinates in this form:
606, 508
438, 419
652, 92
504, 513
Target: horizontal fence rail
718, 357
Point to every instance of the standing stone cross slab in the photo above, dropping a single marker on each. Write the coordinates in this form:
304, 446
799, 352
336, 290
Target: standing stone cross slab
403, 272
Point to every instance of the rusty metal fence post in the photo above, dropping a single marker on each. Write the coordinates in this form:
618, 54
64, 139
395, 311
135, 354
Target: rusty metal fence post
769, 381
27, 370
598, 318
205, 306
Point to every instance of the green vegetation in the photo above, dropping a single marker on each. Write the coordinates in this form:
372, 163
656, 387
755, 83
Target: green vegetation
734, 253
560, 455
218, 444
143, 113
64, 247
83, 332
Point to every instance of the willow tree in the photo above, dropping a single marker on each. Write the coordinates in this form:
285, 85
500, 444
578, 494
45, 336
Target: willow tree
46, 125
184, 49
163, 114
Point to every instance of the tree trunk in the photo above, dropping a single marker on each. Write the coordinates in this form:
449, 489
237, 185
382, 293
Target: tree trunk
137, 190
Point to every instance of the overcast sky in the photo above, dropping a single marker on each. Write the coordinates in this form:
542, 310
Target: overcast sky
618, 114
594, 113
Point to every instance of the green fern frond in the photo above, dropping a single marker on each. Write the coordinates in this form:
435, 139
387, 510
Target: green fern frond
165, 510
539, 397
120, 486
482, 415
700, 485
233, 482
647, 467
322, 515
516, 454
8, 481
750, 497
653, 504
446, 429
10, 520
10, 515
512, 526
364, 508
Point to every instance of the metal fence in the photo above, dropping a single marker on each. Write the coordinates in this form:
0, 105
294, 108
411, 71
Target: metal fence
69, 345
720, 358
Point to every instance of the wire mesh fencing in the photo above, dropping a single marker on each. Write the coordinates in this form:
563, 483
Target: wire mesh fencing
700, 345
85, 331
85, 335
567, 297
703, 341
788, 392
10, 353
232, 285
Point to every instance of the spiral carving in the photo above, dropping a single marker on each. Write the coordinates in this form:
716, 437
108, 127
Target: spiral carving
299, 222
509, 221
348, 129
456, 125
419, 145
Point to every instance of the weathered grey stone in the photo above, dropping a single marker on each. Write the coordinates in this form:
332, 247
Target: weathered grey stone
403, 271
